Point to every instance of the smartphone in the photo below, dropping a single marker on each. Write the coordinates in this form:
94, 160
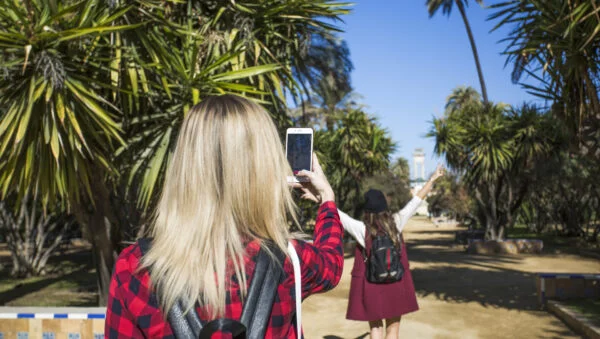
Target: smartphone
298, 150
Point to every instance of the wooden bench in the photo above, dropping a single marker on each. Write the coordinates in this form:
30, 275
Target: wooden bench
565, 286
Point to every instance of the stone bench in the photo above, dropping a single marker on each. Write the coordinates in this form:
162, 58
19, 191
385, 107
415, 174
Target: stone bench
509, 246
52, 322
565, 286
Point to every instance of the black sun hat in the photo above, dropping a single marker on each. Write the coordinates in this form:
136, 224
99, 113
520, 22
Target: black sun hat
375, 201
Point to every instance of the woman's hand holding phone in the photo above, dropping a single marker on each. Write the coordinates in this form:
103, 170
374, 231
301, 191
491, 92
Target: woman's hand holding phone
318, 188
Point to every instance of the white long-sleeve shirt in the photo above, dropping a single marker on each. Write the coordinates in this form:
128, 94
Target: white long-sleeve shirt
356, 228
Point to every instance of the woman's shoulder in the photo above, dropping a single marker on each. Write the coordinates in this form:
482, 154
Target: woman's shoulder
301, 245
133, 252
128, 262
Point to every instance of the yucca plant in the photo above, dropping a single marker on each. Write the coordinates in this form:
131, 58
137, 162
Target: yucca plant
91, 88
300, 36
356, 148
494, 148
165, 69
261, 45
32, 235
56, 128
92, 92
554, 43
58, 132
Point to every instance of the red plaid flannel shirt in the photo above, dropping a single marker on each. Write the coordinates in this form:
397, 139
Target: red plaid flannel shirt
133, 311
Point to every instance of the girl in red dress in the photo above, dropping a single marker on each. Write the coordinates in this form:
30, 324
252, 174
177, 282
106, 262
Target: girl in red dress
377, 303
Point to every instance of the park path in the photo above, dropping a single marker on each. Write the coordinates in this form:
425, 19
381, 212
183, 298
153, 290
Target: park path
460, 295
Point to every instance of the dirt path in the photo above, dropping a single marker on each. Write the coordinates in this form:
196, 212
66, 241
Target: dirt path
460, 295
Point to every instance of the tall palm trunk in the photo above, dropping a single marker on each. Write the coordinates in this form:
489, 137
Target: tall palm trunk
461, 8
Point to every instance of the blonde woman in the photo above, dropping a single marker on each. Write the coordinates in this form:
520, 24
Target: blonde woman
225, 195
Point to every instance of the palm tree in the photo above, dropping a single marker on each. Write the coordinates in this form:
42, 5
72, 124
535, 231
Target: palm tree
446, 5
356, 148
325, 78
401, 169
460, 98
555, 44
327, 70
249, 37
91, 93
494, 148
299, 36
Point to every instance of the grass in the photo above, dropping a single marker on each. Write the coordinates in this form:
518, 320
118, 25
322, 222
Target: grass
71, 281
555, 243
588, 308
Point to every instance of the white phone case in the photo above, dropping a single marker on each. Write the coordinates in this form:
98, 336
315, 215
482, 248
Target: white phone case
294, 179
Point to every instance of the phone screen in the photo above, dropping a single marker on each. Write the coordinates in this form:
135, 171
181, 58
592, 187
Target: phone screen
298, 151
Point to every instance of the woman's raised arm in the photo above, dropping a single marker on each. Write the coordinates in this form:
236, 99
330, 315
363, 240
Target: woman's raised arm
401, 217
355, 228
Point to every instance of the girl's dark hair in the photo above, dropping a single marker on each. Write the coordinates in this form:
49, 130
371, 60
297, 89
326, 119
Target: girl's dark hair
382, 221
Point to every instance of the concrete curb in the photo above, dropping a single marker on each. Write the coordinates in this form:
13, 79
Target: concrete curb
575, 321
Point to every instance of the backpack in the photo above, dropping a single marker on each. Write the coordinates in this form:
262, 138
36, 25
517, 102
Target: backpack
257, 307
382, 259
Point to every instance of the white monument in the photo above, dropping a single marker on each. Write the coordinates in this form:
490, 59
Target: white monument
419, 164
419, 180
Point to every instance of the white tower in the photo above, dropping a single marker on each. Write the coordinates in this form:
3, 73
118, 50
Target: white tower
419, 179
419, 164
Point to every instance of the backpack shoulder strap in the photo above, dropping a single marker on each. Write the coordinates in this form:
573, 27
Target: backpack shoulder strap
184, 324
257, 307
297, 287
267, 275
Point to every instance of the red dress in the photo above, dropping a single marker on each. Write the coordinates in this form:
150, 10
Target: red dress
370, 302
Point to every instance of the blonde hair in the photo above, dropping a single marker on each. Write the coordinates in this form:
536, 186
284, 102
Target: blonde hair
225, 185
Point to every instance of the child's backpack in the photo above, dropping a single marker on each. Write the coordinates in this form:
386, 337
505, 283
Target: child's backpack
382, 258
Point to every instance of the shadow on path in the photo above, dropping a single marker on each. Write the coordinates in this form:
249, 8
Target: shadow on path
72, 269
452, 275
22, 289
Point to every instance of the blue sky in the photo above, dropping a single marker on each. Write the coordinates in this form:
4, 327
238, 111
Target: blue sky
407, 64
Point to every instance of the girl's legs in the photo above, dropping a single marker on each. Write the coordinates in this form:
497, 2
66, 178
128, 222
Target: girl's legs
376, 329
392, 328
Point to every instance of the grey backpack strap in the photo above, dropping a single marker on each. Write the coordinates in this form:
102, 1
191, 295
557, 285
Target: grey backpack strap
258, 305
184, 325
257, 308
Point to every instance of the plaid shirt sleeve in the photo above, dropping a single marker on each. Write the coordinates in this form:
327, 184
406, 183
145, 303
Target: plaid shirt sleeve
120, 322
322, 262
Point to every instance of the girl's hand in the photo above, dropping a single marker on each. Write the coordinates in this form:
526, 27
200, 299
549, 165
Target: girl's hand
318, 188
439, 172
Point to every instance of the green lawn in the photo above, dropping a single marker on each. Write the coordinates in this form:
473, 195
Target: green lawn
588, 308
554, 243
71, 282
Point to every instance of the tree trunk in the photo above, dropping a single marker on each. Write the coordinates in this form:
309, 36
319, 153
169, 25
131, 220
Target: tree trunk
500, 232
461, 8
103, 232
494, 229
490, 230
